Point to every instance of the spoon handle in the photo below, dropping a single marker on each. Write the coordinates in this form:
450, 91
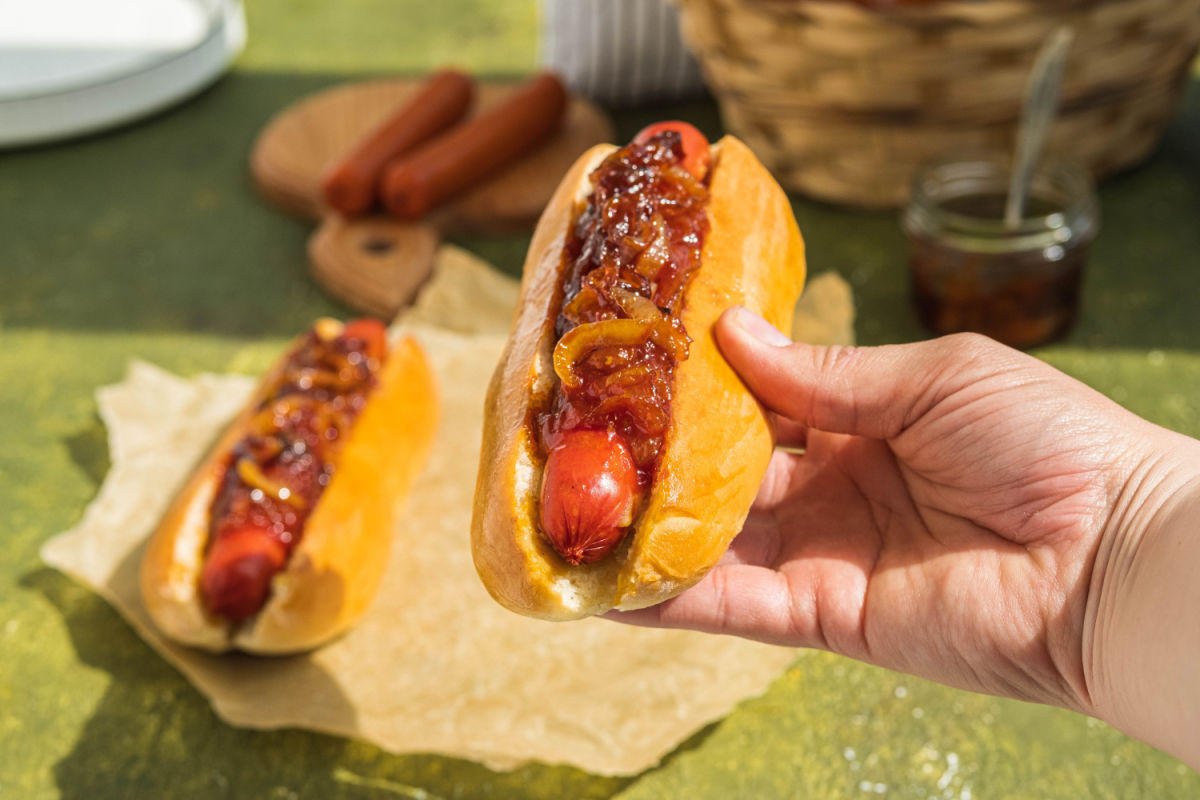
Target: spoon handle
1041, 105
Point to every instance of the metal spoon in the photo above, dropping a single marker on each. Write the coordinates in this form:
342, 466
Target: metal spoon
1041, 105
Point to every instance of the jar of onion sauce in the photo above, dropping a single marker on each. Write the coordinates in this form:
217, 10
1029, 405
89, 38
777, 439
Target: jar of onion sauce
970, 271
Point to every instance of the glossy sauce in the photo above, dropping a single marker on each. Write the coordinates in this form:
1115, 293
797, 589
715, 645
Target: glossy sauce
635, 246
1020, 297
277, 472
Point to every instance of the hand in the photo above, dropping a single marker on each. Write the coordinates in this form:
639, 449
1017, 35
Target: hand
945, 518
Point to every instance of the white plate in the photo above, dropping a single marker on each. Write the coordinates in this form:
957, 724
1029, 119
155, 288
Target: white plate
71, 67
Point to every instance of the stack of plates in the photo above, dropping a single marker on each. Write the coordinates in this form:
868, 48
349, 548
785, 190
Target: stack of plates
71, 67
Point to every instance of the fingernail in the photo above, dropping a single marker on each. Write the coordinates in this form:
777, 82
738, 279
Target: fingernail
758, 327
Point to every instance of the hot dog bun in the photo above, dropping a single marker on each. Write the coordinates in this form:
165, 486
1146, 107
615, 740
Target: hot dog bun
335, 570
719, 441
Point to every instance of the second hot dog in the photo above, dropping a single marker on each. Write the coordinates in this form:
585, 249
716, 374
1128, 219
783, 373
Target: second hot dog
279, 540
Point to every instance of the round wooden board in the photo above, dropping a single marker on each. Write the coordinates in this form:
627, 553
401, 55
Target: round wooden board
298, 144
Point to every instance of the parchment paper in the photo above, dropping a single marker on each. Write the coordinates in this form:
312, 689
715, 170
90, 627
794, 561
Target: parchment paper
825, 313
436, 665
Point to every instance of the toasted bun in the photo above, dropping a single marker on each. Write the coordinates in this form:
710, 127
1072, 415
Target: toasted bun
335, 571
719, 442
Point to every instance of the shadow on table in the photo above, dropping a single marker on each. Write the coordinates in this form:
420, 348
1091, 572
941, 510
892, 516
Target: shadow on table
151, 732
88, 447
153, 735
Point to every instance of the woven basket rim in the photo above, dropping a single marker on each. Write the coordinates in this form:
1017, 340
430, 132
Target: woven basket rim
839, 97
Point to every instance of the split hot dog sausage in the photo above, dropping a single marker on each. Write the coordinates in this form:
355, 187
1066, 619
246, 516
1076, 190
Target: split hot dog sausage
276, 473
611, 306
696, 154
589, 493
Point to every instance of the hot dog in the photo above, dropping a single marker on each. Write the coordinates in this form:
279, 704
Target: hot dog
351, 185
416, 183
278, 541
620, 452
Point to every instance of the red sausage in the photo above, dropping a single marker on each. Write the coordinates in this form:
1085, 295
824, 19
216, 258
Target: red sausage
373, 334
418, 182
589, 493
350, 185
695, 146
238, 570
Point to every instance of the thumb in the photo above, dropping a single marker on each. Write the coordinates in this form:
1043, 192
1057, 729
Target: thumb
867, 391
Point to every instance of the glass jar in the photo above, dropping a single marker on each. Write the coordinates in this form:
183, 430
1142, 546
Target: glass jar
971, 272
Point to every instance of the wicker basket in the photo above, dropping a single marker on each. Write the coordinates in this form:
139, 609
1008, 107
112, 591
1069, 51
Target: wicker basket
842, 102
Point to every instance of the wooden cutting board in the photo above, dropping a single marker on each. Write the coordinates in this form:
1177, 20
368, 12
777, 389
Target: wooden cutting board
376, 264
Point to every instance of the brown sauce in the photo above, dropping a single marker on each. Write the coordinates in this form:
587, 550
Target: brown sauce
277, 472
1022, 297
634, 248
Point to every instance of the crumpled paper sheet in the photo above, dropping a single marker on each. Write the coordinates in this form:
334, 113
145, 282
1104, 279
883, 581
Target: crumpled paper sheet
435, 665
464, 294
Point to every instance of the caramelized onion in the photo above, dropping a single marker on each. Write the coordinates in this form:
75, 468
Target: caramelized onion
622, 379
655, 257
255, 478
646, 234
634, 245
270, 418
264, 449
636, 306
650, 416
687, 180
582, 339
585, 300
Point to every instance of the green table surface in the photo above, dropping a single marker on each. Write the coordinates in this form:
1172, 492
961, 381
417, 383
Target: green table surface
149, 242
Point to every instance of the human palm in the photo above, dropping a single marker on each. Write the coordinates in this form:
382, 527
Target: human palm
942, 521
